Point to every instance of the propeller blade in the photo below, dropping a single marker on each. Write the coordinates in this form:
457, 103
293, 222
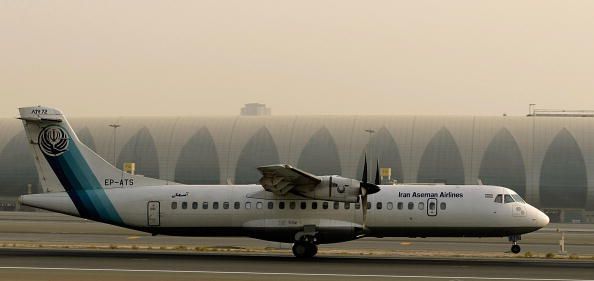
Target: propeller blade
364, 206
364, 179
367, 188
377, 174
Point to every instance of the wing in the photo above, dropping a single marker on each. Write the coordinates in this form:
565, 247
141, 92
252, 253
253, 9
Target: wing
281, 179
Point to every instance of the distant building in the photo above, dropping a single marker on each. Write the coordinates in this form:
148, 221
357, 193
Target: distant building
255, 109
547, 160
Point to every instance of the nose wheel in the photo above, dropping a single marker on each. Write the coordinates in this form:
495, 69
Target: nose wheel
515, 248
304, 250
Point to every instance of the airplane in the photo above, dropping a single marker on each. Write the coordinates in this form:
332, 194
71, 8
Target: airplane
288, 205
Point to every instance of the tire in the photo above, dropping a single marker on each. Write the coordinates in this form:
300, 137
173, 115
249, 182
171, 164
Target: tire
304, 250
300, 250
516, 249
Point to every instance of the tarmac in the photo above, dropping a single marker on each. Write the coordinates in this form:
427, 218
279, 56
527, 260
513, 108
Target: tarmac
42, 264
47, 246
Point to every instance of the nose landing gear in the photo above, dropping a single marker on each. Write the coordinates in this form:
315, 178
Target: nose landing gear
515, 248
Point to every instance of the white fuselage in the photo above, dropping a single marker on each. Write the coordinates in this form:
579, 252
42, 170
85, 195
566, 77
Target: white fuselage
245, 210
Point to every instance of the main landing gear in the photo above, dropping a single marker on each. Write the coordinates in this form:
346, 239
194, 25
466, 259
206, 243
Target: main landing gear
304, 250
305, 242
515, 248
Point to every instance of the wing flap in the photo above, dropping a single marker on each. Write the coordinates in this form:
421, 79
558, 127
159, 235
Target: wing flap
281, 179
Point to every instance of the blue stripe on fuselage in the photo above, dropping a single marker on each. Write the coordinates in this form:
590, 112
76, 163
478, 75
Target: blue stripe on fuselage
82, 186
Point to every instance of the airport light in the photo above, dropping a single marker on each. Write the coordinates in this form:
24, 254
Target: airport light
370, 132
115, 127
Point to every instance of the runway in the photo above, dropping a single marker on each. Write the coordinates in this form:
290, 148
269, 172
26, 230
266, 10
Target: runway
44, 246
42, 264
579, 241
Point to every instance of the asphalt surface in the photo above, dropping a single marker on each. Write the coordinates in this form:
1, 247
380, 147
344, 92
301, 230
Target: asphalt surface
44, 228
25, 255
404, 245
42, 264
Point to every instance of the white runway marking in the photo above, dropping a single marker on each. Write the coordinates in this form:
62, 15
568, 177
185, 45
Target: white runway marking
286, 273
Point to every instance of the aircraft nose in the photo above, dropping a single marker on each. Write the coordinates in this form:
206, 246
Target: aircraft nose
542, 219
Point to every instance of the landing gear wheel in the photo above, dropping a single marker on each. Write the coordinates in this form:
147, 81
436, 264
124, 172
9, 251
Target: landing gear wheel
313, 250
516, 249
304, 249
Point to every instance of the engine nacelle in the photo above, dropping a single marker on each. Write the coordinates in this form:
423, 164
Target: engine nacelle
335, 188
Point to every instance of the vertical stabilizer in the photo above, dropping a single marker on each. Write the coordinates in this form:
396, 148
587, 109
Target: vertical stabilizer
64, 163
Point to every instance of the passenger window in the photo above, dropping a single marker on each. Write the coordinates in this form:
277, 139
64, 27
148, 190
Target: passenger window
508, 199
314, 205
325, 205
368, 205
336, 205
499, 198
432, 206
292, 205
390, 206
303, 205
400, 205
248, 205
236, 205
259, 205
215, 205
421, 206
204, 205
357, 206
225, 205
411, 205
442, 205
194, 205
281, 205
347, 205
270, 205
173, 205
184, 205
378, 205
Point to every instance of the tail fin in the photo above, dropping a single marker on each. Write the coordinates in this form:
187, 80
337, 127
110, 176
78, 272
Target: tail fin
65, 163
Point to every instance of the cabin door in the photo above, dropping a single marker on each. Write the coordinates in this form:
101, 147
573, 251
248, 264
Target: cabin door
153, 216
432, 207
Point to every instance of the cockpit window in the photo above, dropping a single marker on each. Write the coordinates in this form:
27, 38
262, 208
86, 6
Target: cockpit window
518, 198
499, 198
508, 198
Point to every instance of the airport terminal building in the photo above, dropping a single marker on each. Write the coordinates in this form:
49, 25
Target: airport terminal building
547, 160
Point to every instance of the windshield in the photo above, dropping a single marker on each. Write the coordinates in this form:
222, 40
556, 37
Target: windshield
517, 198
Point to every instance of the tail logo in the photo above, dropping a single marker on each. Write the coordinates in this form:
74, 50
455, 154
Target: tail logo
53, 141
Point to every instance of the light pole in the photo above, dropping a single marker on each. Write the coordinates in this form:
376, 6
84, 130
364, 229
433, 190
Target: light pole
115, 127
370, 132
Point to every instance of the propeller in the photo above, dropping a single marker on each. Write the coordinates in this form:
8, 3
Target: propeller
377, 174
368, 188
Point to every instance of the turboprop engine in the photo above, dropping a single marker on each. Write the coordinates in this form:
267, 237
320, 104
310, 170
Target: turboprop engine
335, 188
284, 179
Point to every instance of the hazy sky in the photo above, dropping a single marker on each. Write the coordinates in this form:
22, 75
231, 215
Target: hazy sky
105, 58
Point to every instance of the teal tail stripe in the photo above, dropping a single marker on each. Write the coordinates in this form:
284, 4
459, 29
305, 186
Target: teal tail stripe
91, 186
82, 186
